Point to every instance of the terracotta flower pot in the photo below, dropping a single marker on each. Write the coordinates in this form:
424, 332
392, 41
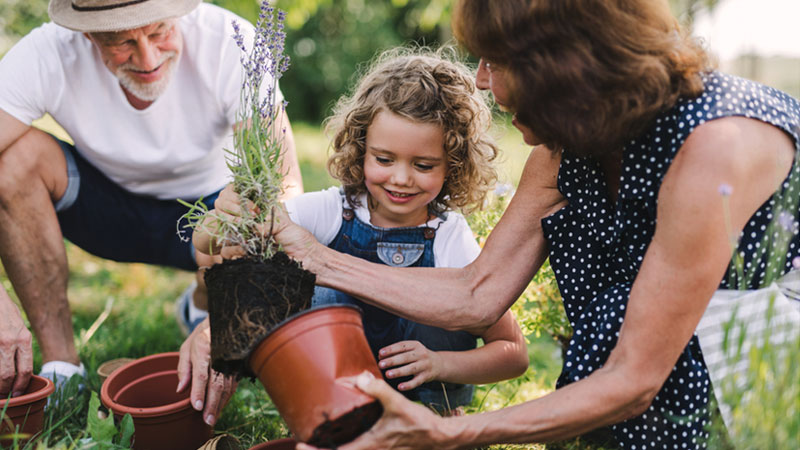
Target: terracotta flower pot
280, 444
27, 410
162, 418
307, 366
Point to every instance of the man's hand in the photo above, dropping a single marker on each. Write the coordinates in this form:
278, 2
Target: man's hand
210, 389
16, 353
410, 358
404, 424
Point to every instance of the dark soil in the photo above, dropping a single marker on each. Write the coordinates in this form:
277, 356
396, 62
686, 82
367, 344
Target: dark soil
333, 433
247, 298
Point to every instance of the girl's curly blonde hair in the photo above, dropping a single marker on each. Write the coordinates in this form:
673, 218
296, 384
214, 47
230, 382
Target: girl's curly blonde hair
424, 86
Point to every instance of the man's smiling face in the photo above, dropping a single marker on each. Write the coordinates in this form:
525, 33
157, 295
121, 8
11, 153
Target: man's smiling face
142, 58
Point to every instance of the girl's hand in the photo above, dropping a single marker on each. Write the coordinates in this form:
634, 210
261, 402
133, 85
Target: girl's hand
410, 358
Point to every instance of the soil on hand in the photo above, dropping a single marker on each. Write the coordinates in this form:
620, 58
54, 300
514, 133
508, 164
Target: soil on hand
248, 298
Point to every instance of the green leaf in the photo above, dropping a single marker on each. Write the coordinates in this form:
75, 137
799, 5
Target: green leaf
127, 430
102, 431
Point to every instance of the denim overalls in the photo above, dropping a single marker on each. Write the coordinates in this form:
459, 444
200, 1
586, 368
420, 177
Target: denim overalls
398, 247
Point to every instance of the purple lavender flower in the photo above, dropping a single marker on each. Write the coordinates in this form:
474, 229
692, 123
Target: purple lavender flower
786, 221
502, 189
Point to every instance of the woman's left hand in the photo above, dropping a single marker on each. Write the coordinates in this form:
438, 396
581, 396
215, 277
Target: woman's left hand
404, 424
410, 358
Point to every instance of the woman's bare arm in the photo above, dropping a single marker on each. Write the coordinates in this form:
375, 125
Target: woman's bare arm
471, 298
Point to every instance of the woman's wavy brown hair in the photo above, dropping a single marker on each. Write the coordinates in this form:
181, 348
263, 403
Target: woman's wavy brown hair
585, 75
424, 86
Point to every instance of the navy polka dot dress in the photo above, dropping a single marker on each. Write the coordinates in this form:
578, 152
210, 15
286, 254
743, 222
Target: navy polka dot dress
596, 248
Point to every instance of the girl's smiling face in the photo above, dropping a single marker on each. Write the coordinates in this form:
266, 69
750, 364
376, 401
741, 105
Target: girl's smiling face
404, 169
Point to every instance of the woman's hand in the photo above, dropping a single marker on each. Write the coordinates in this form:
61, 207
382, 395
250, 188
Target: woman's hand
410, 358
404, 424
210, 389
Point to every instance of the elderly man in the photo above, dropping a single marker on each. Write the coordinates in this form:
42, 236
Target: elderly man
148, 90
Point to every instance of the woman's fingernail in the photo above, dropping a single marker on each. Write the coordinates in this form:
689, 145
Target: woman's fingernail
210, 419
198, 405
17, 394
382, 364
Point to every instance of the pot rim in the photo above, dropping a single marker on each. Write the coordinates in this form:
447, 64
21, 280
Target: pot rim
291, 318
32, 397
153, 411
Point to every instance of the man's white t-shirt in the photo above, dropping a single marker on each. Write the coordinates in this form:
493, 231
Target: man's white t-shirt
321, 214
171, 149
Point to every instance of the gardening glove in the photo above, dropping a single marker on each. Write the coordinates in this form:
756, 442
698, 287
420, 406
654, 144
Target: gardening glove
16, 353
210, 389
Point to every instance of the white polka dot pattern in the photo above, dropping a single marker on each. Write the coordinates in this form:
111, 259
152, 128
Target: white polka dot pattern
596, 249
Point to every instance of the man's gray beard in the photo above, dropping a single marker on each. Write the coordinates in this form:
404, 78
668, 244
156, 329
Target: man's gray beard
147, 91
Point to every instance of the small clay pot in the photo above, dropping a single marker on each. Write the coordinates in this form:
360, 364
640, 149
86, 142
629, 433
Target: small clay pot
27, 410
162, 418
108, 367
308, 365
280, 444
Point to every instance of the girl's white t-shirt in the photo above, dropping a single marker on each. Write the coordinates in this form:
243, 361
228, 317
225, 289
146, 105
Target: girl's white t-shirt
321, 213
171, 149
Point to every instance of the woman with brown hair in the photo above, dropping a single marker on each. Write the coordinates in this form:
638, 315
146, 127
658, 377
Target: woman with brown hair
646, 168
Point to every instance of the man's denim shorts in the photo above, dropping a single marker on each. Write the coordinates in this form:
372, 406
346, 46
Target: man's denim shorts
108, 221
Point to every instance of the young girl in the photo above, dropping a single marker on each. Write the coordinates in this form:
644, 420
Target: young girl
410, 146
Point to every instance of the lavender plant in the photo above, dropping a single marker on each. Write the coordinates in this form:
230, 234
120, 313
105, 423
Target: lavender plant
256, 158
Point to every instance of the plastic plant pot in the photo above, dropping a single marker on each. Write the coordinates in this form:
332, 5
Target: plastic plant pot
108, 367
308, 365
25, 412
162, 418
279, 444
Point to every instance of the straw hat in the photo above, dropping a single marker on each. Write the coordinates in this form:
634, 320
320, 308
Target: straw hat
115, 15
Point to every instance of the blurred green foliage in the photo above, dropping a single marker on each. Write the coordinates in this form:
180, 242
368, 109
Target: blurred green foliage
18, 17
328, 39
